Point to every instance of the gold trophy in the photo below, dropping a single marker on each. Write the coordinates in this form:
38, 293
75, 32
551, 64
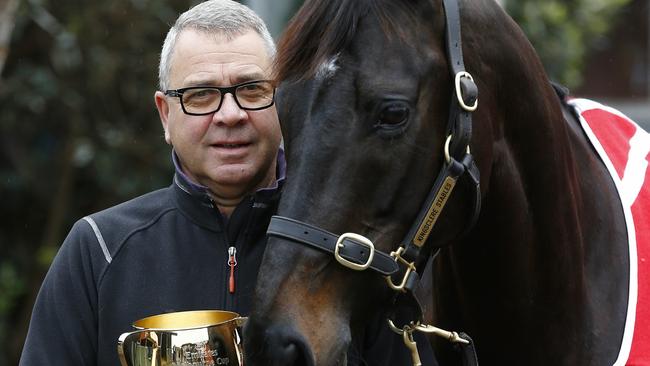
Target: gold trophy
189, 338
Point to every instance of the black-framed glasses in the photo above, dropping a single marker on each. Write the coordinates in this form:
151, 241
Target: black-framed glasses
202, 100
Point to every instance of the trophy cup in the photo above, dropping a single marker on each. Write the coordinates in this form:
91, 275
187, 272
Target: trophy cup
189, 338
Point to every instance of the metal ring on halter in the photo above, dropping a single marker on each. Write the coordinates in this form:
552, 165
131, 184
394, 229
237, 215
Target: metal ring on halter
409, 342
447, 155
410, 267
459, 96
394, 328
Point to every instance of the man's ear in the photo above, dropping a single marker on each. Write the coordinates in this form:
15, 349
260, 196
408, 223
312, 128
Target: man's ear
163, 111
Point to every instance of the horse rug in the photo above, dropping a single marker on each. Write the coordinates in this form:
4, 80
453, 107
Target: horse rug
624, 148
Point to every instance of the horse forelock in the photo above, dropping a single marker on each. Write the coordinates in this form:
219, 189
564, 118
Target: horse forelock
322, 29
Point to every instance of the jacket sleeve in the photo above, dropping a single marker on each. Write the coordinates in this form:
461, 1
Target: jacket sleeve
63, 326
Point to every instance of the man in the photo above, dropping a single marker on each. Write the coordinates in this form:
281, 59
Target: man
175, 249
172, 249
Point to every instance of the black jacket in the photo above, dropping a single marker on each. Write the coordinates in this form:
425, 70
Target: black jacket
162, 252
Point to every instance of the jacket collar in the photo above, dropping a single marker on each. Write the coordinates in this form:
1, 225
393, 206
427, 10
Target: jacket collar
195, 201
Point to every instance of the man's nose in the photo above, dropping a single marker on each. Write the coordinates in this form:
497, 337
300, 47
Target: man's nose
230, 113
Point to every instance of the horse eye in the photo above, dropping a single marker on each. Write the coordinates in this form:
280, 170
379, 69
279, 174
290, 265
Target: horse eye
393, 114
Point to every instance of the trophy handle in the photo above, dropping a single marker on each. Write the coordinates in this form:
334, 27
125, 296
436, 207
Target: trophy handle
149, 338
120, 347
240, 321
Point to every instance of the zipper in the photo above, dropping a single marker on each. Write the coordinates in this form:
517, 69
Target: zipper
232, 262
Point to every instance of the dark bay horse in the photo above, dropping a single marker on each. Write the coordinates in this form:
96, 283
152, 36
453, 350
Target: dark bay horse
540, 277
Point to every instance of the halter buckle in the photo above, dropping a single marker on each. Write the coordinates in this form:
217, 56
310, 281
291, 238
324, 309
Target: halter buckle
358, 239
459, 92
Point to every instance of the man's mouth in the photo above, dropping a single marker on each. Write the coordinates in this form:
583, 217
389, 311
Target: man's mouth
232, 145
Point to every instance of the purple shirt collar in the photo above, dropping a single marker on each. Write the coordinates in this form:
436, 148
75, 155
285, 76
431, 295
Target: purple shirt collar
187, 183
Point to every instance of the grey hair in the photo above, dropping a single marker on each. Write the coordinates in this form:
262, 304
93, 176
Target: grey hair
226, 17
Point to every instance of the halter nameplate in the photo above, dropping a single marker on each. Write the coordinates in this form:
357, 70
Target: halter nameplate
434, 211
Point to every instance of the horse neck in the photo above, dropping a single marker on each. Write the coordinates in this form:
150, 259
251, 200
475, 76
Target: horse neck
529, 262
524, 149
531, 170
527, 225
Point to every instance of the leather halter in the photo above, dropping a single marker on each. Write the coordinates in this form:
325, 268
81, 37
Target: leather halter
358, 253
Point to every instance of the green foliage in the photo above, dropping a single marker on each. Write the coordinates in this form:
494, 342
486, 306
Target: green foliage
562, 31
79, 131
11, 285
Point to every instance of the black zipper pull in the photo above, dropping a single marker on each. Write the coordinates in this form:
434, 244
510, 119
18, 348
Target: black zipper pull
232, 262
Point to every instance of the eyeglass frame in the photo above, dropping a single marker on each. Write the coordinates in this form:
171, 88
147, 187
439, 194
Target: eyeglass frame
223, 90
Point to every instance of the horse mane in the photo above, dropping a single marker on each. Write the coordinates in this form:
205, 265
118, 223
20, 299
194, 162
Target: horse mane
323, 28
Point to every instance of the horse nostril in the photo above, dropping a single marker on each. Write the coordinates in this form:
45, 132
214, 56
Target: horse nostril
277, 345
291, 346
291, 354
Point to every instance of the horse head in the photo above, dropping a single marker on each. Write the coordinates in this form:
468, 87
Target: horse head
369, 105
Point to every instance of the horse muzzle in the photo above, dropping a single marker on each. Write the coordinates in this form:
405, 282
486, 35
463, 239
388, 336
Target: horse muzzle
276, 345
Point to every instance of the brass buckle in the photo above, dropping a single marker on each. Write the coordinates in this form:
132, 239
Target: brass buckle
359, 239
410, 268
459, 96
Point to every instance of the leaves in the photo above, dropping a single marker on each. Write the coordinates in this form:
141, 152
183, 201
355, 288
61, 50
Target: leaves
562, 31
79, 131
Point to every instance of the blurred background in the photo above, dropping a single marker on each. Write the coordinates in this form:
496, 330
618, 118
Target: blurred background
79, 131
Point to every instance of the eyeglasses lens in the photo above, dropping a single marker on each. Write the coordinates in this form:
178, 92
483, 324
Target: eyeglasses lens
201, 100
254, 95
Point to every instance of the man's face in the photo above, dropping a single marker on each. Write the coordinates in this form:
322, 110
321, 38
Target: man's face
231, 151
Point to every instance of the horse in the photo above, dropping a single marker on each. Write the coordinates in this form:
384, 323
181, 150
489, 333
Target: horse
382, 99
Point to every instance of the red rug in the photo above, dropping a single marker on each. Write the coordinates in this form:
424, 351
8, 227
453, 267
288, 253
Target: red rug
624, 147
